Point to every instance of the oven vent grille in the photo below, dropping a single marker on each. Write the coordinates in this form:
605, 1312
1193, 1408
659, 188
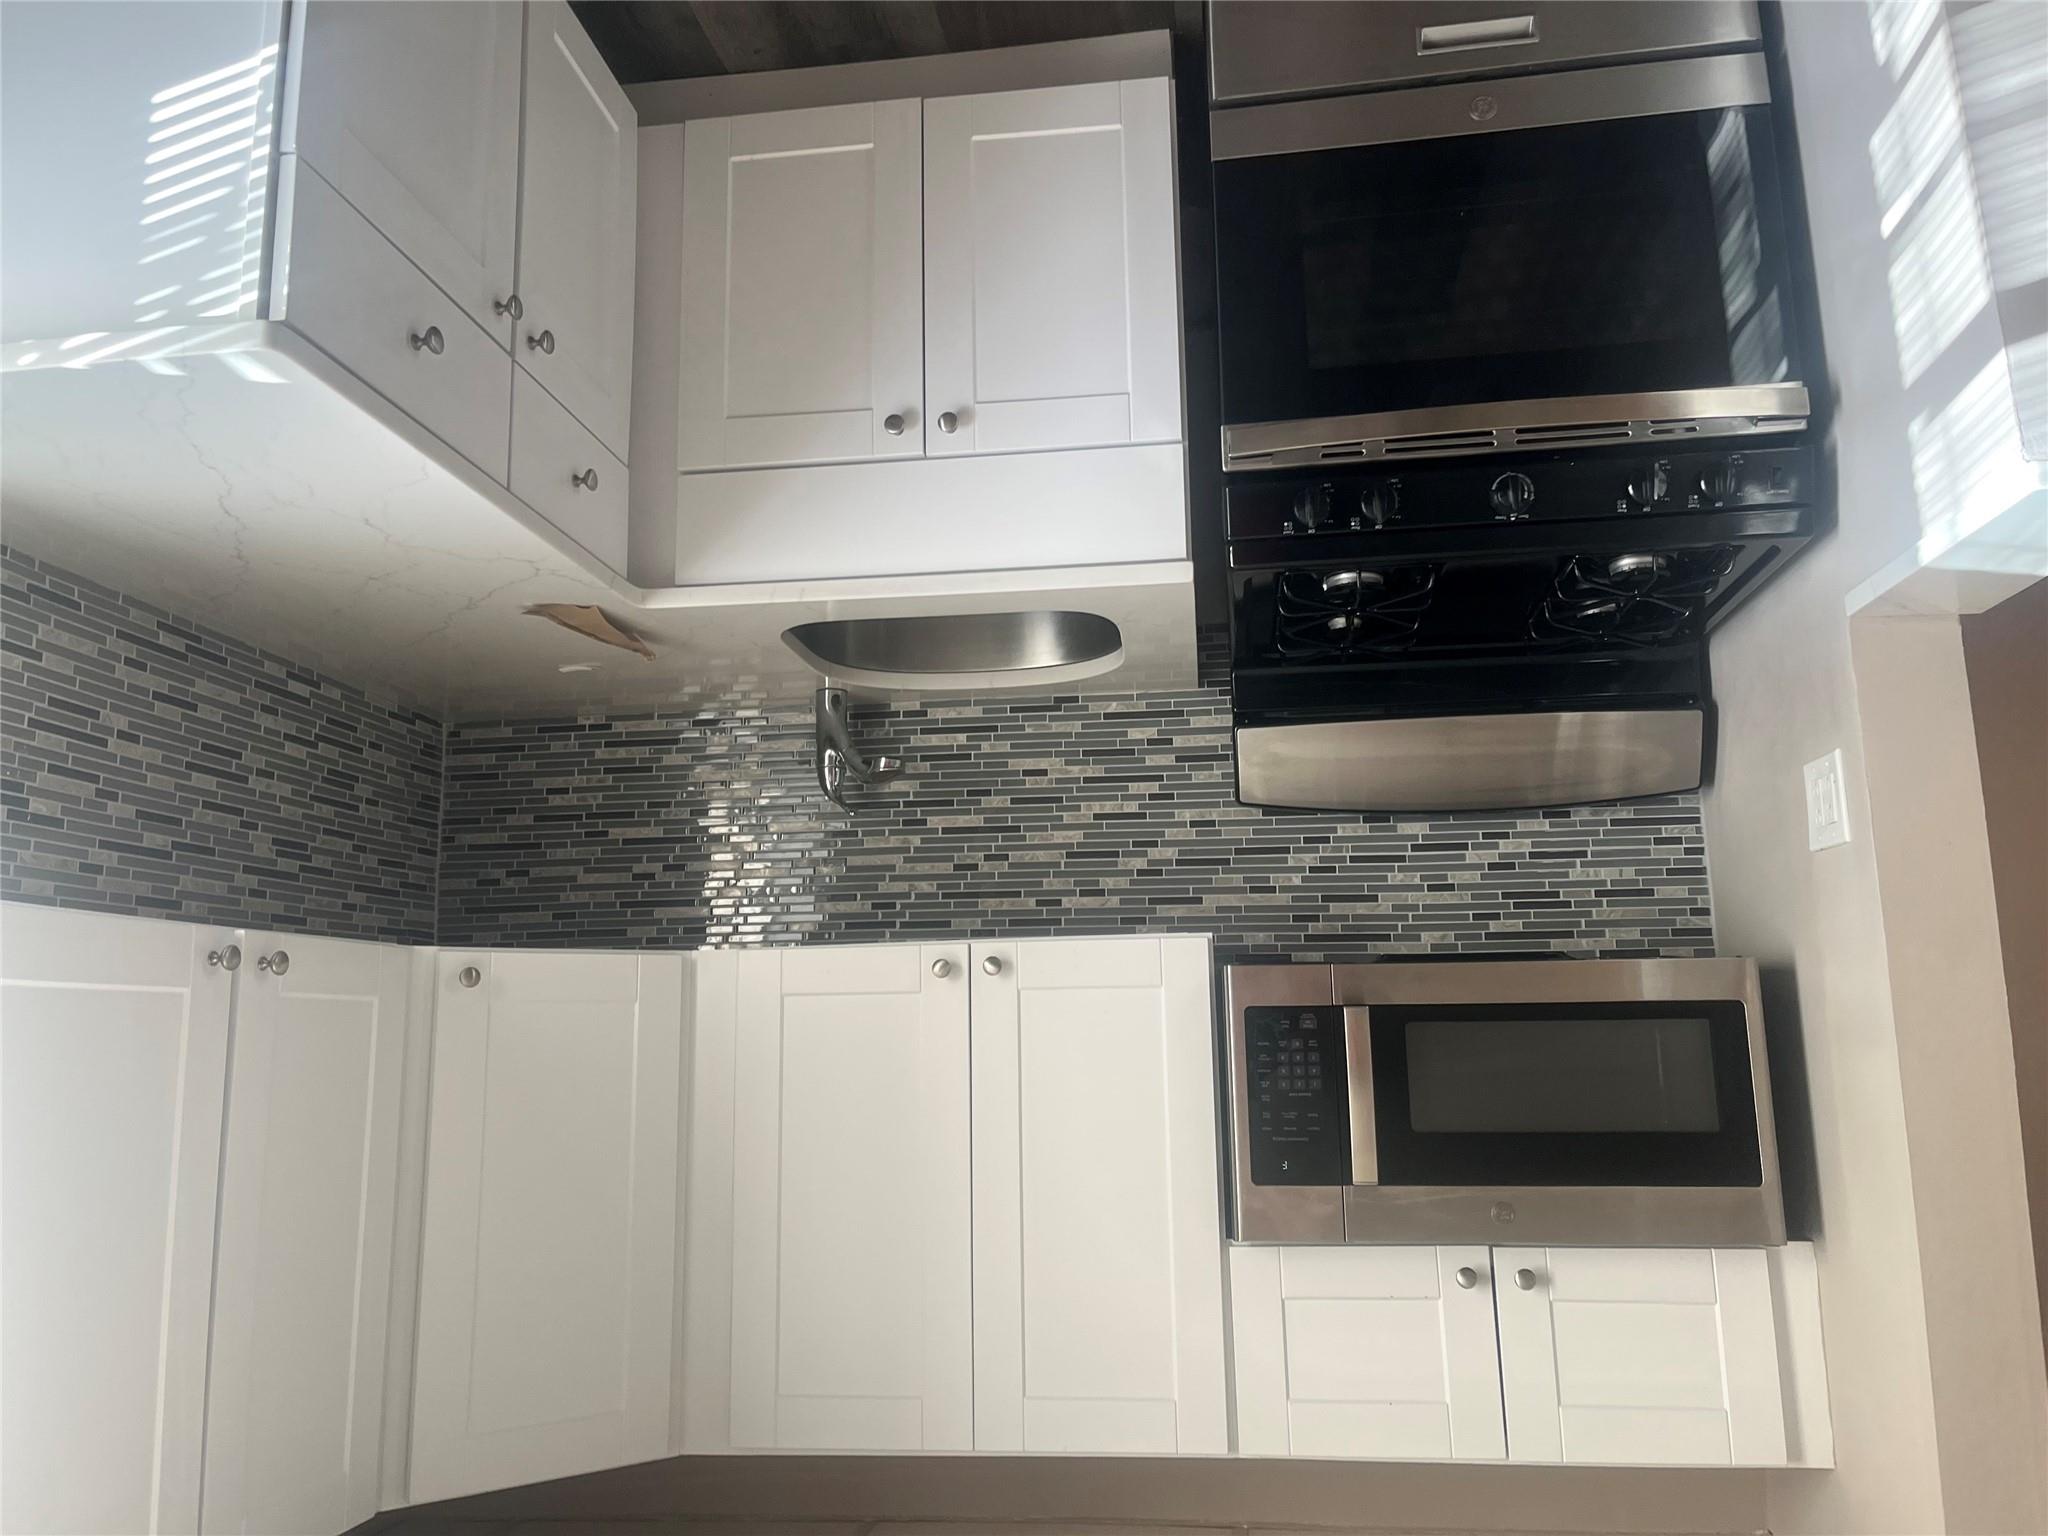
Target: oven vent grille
1424, 444
1734, 411
1586, 435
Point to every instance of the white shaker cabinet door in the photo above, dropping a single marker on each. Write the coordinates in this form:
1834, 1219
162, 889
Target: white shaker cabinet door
296, 1390
1052, 305
579, 201
802, 337
1644, 1355
547, 1282
411, 112
1366, 1352
1098, 1295
832, 1086
114, 1034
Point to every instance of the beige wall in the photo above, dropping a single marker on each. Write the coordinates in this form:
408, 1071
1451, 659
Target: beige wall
2006, 652
1874, 1112
1928, 828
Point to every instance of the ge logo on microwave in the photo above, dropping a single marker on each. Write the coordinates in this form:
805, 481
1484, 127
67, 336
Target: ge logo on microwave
1483, 108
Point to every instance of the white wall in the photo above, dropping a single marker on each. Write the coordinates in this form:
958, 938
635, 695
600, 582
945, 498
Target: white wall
1923, 423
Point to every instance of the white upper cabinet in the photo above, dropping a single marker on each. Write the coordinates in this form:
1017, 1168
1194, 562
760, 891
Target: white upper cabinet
411, 113
296, 1390
1052, 310
578, 199
1098, 1297
547, 1281
1366, 1352
1640, 1355
114, 1031
830, 1244
802, 340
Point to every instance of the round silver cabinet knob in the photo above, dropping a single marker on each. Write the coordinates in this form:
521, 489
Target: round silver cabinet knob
277, 962
893, 425
1525, 1279
429, 340
948, 422
1467, 1278
469, 975
509, 306
228, 957
942, 969
587, 481
992, 966
544, 342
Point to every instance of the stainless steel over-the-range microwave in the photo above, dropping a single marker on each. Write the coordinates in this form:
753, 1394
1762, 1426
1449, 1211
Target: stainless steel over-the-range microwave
1526, 1101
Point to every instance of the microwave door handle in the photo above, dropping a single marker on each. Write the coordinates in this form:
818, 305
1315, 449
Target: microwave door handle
1458, 36
1365, 1144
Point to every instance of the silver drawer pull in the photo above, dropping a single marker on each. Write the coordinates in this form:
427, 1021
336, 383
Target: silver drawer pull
948, 422
228, 957
469, 975
277, 962
509, 306
587, 481
992, 966
942, 969
893, 425
544, 342
429, 340
1525, 1279
1467, 1278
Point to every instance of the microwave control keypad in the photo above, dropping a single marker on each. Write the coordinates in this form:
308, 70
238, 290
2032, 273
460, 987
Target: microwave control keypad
1296, 1081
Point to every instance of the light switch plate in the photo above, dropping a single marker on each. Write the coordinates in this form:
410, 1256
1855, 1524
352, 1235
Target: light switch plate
1827, 812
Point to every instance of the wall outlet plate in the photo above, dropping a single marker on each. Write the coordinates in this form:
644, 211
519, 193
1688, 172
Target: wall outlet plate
1827, 811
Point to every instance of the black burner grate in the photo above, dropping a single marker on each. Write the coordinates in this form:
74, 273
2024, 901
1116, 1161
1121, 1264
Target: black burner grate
1631, 599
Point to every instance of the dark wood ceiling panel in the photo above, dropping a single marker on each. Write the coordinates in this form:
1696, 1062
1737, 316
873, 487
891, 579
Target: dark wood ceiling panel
677, 39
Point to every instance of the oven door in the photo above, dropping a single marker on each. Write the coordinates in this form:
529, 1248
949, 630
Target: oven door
1606, 1120
1551, 260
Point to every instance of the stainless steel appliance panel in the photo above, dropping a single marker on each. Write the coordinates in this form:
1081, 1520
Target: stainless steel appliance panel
1470, 762
1444, 111
1265, 50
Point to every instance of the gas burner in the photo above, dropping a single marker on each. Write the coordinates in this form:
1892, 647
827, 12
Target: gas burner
1631, 598
1333, 614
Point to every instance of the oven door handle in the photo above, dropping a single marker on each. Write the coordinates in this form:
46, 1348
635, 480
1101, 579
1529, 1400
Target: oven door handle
1365, 1141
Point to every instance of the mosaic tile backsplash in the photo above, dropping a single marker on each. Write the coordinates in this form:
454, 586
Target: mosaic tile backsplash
704, 825
151, 766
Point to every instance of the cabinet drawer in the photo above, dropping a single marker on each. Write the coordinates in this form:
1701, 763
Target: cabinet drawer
353, 294
550, 450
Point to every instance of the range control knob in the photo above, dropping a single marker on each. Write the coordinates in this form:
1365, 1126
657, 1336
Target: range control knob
1315, 507
1513, 494
1721, 482
1379, 503
1652, 485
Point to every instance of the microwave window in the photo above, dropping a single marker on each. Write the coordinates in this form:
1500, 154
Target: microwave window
1561, 1076
1594, 258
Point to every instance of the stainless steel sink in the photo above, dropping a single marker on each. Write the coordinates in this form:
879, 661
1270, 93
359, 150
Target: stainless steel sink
960, 650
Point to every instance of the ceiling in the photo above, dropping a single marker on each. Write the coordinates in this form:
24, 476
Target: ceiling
645, 40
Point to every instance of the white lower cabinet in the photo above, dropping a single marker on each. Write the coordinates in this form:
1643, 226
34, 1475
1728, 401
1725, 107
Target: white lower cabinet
547, 1282
1374, 1352
1098, 1296
954, 1198
114, 1032
1651, 1355
829, 1239
1599, 1356
295, 1395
